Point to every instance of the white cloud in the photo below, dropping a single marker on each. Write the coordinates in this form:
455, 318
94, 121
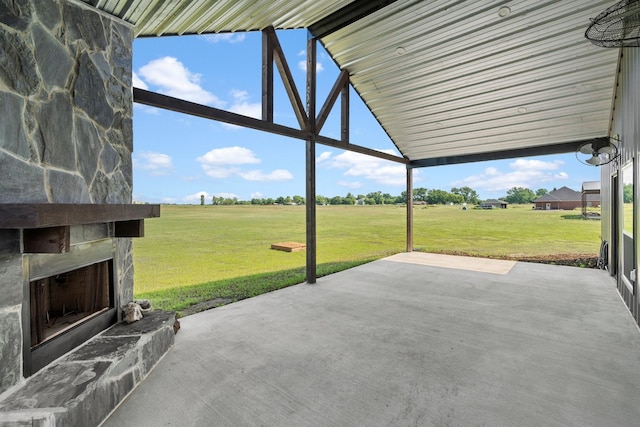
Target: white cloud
195, 198
367, 167
226, 162
258, 175
137, 82
225, 37
222, 162
325, 155
524, 173
172, 78
257, 195
229, 156
156, 163
146, 109
303, 66
218, 172
241, 106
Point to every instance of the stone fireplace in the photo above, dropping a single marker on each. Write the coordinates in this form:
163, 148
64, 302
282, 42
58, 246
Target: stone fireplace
62, 301
66, 212
69, 301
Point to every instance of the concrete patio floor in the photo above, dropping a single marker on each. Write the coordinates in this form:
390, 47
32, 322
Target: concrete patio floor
406, 341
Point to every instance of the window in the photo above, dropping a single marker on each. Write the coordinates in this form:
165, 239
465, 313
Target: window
628, 214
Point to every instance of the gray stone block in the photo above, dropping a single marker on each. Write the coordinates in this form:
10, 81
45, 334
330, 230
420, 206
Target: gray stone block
11, 279
10, 349
55, 118
83, 387
15, 13
119, 189
36, 146
56, 386
126, 165
118, 94
89, 92
121, 53
121, 132
18, 65
88, 145
102, 64
54, 60
109, 159
86, 26
12, 134
48, 13
110, 188
99, 188
155, 348
21, 181
106, 348
68, 188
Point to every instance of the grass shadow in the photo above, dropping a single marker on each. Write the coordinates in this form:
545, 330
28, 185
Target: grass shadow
191, 299
572, 216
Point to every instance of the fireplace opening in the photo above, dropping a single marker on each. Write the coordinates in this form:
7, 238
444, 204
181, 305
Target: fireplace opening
60, 302
67, 309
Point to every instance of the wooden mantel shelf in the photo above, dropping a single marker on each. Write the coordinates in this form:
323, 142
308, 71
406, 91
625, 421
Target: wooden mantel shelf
45, 215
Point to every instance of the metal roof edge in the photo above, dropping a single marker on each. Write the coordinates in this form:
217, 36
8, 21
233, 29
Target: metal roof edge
561, 148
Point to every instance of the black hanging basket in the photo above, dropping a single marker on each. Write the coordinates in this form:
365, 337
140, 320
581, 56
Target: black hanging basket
616, 26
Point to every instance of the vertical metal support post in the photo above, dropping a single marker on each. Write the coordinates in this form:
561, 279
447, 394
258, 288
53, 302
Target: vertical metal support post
311, 161
344, 119
409, 209
267, 78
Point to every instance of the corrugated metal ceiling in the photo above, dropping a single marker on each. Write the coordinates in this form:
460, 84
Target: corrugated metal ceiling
182, 17
444, 78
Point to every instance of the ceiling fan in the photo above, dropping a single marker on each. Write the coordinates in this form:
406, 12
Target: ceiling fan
598, 151
616, 26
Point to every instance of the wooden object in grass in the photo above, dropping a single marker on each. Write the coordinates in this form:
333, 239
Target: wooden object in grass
288, 246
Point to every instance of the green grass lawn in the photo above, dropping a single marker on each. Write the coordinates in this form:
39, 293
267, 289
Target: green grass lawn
193, 253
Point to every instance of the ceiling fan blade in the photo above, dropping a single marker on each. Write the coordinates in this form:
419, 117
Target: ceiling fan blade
586, 148
609, 150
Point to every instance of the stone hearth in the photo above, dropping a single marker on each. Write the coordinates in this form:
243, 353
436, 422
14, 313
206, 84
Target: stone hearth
84, 386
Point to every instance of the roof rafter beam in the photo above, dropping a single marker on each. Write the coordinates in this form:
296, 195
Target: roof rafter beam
562, 148
267, 77
287, 78
158, 100
341, 83
349, 14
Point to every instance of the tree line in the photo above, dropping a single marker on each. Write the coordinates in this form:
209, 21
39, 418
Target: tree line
457, 195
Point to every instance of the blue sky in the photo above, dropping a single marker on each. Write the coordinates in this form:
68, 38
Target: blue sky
178, 157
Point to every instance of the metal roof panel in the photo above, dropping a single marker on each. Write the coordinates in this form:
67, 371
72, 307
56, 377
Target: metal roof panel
443, 77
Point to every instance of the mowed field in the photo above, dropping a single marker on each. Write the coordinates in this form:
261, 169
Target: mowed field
192, 245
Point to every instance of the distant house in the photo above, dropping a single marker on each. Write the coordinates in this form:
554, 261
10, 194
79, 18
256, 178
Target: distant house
493, 204
563, 198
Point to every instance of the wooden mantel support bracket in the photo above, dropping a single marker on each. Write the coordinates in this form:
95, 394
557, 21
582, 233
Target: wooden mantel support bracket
46, 227
50, 240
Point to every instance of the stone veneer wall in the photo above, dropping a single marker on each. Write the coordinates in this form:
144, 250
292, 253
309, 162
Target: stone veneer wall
65, 131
